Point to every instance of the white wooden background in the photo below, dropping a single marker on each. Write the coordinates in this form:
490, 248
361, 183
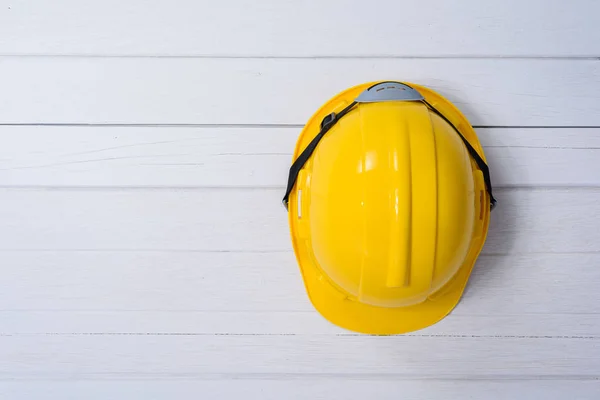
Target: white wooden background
144, 147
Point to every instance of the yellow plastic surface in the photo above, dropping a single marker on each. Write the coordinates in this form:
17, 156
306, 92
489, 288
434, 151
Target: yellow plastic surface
389, 214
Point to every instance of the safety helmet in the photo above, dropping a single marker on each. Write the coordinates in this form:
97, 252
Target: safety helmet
389, 201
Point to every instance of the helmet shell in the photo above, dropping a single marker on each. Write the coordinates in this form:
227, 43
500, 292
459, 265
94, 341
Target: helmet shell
389, 214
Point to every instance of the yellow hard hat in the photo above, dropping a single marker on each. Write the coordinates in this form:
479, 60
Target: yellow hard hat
389, 201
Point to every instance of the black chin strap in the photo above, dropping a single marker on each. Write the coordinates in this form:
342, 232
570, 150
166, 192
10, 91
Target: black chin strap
474, 154
330, 120
327, 123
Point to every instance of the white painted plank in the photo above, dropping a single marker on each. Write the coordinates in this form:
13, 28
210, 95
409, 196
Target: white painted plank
171, 293
301, 29
463, 322
526, 220
253, 157
305, 387
85, 357
511, 285
506, 92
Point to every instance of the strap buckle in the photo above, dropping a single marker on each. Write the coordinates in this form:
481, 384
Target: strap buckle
328, 120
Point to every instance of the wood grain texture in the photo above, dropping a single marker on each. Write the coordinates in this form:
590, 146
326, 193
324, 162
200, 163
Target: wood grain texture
144, 252
253, 157
86, 357
262, 294
504, 92
211, 220
301, 29
308, 322
301, 388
